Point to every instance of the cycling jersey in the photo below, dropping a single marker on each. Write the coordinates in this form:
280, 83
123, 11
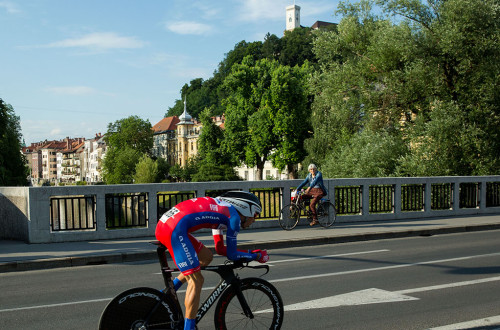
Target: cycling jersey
174, 228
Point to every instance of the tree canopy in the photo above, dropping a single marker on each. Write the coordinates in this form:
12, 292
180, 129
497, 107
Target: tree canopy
127, 141
266, 113
408, 84
13, 169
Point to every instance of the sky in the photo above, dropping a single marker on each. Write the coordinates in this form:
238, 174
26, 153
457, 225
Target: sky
69, 67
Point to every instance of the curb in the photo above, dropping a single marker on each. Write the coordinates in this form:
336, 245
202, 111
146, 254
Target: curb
17, 266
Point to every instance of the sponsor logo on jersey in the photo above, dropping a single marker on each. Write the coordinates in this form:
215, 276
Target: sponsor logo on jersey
170, 213
186, 250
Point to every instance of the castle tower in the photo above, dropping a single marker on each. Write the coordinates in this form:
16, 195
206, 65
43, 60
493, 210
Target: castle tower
292, 17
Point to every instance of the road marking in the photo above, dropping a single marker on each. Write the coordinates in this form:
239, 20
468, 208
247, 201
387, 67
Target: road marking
328, 256
348, 272
475, 324
450, 285
402, 292
54, 305
376, 296
363, 297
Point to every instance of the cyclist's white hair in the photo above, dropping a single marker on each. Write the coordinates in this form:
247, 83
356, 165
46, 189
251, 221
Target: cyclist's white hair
311, 166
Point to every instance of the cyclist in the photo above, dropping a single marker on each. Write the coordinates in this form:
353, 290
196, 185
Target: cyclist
231, 211
315, 191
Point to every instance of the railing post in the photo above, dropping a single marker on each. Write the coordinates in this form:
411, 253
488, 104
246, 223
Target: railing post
365, 199
397, 199
427, 197
456, 196
482, 196
152, 208
100, 211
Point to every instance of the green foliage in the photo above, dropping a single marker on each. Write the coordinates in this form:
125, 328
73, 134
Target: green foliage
296, 47
131, 132
368, 154
266, 113
13, 169
127, 141
163, 169
427, 87
119, 165
146, 170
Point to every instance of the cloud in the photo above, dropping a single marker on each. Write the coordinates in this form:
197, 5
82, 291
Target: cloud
71, 90
9, 7
99, 41
55, 131
258, 10
187, 27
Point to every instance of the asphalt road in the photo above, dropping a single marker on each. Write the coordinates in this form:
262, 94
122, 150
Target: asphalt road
410, 283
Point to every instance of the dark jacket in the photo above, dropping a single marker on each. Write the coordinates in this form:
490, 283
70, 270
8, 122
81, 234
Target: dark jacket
317, 181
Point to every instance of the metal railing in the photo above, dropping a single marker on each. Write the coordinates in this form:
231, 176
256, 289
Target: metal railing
119, 211
69, 213
126, 210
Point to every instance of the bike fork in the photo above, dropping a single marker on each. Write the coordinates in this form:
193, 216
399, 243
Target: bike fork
243, 302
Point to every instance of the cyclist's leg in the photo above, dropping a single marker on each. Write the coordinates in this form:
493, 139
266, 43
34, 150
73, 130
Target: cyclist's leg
316, 194
205, 256
193, 292
189, 265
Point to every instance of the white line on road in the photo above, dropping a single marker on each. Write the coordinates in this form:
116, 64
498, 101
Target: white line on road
376, 296
402, 292
384, 268
328, 256
54, 305
475, 324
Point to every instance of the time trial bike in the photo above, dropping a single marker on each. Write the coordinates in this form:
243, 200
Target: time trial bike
290, 214
242, 303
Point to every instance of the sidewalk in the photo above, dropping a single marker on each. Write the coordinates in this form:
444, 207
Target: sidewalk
19, 256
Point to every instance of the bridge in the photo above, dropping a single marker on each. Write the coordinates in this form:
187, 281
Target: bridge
83, 213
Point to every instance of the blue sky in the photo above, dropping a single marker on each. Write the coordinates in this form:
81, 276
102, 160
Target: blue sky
71, 67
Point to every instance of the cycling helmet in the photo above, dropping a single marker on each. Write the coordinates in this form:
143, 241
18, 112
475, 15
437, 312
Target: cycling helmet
247, 204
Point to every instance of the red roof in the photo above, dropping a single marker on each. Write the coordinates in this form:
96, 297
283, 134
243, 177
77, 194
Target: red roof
166, 124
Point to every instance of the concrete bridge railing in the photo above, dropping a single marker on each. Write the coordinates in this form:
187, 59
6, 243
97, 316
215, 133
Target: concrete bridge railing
32, 214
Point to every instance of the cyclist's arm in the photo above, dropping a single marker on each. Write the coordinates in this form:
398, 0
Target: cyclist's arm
306, 180
232, 232
220, 248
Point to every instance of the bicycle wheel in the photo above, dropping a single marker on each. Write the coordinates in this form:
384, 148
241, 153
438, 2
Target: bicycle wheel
326, 214
264, 302
289, 217
130, 309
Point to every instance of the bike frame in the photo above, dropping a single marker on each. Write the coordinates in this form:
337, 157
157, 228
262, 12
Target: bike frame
228, 279
300, 202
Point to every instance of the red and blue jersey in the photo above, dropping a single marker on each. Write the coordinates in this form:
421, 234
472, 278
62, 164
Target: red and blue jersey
174, 228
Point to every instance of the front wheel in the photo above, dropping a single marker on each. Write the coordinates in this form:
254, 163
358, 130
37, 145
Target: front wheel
289, 216
141, 308
263, 299
326, 214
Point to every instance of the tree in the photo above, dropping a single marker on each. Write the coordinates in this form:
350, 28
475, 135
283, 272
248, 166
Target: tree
119, 165
127, 141
413, 79
213, 164
266, 113
146, 170
296, 47
13, 169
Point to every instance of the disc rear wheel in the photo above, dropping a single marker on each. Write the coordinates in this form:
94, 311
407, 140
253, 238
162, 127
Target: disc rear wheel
141, 308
